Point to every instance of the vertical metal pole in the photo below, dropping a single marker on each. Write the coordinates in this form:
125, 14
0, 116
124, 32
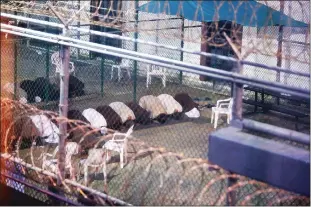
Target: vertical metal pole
102, 63
47, 70
102, 74
236, 115
63, 107
256, 100
92, 37
157, 34
288, 45
15, 64
204, 46
15, 69
237, 95
135, 49
182, 46
47, 65
78, 35
28, 25
231, 89
279, 53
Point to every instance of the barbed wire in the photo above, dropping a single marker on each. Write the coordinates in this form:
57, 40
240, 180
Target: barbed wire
165, 27
152, 175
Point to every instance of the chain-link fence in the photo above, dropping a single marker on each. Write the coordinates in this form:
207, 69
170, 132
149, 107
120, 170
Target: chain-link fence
150, 176
162, 115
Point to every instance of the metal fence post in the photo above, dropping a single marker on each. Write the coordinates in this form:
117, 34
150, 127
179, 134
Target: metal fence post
15, 64
182, 46
15, 69
135, 49
47, 65
288, 47
102, 74
63, 107
47, 70
279, 53
102, 62
237, 92
78, 35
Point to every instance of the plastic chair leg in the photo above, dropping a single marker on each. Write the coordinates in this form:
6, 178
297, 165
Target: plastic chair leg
72, 171
125, 156
148, 80
216, 120
129, 73
212, 118
119, 74
111, 73
85, 175
164, 81
107, 155
104, 172
121, 159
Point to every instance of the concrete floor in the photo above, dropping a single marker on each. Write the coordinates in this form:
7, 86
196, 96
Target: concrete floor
134, 183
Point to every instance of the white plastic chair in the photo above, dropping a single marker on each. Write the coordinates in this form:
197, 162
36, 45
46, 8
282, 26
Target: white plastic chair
222, 107
118, 145
153, 70
55, 59
49, 161
125, 63
96, 158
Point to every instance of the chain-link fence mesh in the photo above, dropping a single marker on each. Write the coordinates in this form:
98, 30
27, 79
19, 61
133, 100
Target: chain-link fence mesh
165, 157
151, 175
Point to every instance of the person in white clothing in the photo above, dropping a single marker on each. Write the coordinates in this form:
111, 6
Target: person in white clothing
96, 119
123, 111
46, 128
153, 105
170, 104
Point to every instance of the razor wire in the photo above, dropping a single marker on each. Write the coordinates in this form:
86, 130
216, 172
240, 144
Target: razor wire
152, 176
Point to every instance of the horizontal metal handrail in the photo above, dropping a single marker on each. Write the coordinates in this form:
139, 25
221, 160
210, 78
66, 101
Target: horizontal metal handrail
165, 62
277, 131
105, 34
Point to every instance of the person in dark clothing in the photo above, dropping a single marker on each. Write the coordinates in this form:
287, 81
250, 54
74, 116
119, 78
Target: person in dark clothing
76, 87
155, 107
77, 115
142, 115
40, 86
185, 101
114, 121
28, 87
